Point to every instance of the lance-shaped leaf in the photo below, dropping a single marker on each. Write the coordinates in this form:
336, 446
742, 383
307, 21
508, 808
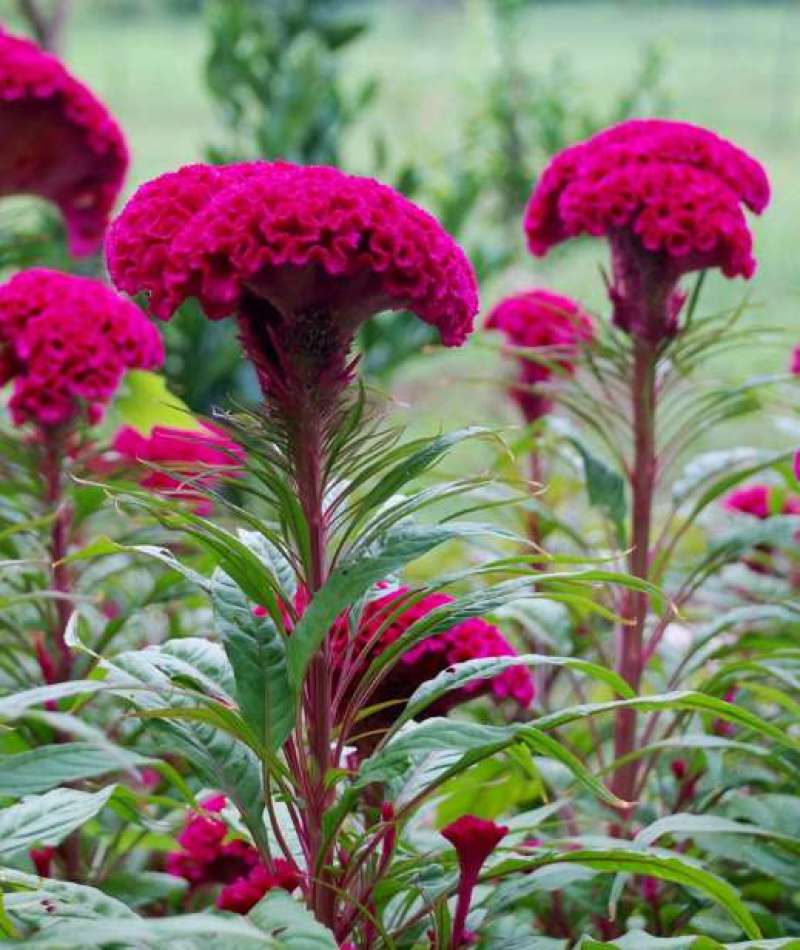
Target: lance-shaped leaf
257, 652
352, 578
48, 819
460, 674
291, 923
48, 766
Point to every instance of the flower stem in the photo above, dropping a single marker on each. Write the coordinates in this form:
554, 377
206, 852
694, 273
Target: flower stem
630, 642
308, 458
465, 888
59, 545
537, 477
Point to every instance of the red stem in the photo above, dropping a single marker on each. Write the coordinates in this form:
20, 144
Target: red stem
308, 451
59, 546
465, 888
534, 526
630, 652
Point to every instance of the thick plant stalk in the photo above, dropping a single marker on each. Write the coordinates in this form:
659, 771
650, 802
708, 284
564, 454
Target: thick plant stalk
630, 642
308, 458
59, 543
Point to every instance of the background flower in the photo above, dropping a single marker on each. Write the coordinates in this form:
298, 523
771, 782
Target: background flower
209, 856
469, 640
193, 459
540, 320
667, 195
66, 341
759, 501
59, 141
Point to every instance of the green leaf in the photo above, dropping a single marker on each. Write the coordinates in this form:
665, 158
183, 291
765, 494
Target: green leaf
719, 462
139, 888
220, 759
145, 402
34, 900
187, 930
257, 652
448, 747
485, 668
291, 923
48, 766
604, 487
351, 579
684, 825
103, 546
17, 704
682, 701
412, 465
674, 869
48, 819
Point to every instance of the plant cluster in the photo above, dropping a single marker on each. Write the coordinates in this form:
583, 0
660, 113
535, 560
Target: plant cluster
274, 678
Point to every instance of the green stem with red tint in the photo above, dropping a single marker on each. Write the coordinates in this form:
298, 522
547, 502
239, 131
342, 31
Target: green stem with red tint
52, 467
630, 640
307, 452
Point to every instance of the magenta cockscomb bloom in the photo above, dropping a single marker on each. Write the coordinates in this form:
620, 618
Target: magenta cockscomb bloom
550, 329
301, 256
794, 363
668, 196
185, 461
59, 141
472, 639
384, 620
474, 840
65, 342
760, 502
209, 857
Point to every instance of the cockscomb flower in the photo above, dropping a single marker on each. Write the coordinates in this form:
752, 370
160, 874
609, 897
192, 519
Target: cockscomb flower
383, 620
474, 840
301, 256
761, 501
65, 342
668, 196
59, 141
549, 323
379, 627
794, 363
241, 895
187, 460
208, 857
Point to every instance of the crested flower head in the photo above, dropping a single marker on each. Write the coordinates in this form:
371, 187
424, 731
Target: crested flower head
59, 141
379, 627
184, 460
300, 255
65, 342
474, 840
553, 325
668, 196
794, 364
209, 856
761, 501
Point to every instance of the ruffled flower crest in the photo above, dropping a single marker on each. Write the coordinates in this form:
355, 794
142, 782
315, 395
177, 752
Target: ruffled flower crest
59, 142
668, 196
540, 320
65, 343
301, 256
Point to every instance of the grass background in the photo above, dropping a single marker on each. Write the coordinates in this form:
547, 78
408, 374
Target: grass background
733, 67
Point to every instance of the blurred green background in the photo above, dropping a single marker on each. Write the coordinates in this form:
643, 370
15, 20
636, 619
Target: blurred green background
731, 66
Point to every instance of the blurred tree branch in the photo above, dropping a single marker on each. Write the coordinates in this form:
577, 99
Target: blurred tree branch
46, 22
